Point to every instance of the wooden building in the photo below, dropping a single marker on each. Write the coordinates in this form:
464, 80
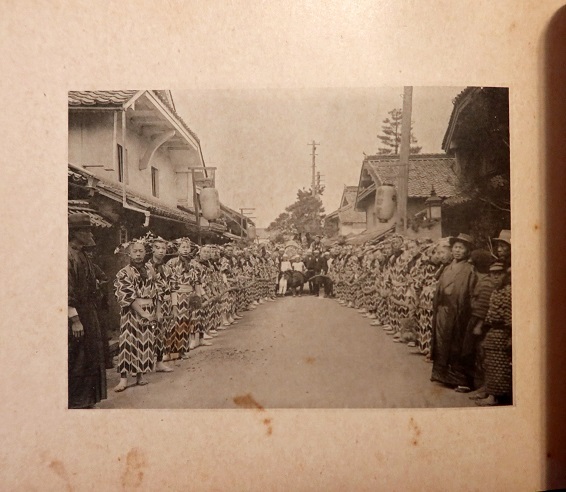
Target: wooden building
346, 219
129, 153
431, 180
477, 137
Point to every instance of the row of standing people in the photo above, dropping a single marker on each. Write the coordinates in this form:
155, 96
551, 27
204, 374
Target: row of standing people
168, 308
446, 300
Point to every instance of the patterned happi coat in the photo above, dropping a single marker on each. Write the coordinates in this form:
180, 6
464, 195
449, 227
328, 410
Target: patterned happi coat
211, 280
497, 344
337, 276
184, 273
424, 287
398, 281
352, 273
228, 299
273, 270
384, 289
137, 335
236, 279
248, 272
371, 287
164, 308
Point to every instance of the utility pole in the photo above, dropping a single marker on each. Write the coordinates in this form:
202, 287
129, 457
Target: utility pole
319, 181
404, 153
313, 182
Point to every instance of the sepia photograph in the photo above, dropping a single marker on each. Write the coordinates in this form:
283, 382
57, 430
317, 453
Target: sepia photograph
289, 248
289, 239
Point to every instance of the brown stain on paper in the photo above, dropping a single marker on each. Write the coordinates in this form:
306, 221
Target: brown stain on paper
416, 432
248, 401
133, 474
59, 469
310, 360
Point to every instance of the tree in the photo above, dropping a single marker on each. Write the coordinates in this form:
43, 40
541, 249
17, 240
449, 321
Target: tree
305, 215
391, 138
331, 228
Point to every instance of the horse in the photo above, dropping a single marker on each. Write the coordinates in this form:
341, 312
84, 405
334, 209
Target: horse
295, 279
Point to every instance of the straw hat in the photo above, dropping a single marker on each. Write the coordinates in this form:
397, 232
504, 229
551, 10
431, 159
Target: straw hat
504, 237
497, 267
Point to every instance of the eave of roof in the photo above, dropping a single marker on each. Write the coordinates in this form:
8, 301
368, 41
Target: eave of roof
460, 102
122, 99
114, 191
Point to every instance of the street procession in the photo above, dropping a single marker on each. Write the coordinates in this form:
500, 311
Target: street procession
399, 297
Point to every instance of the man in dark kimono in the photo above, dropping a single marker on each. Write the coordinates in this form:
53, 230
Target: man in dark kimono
319, 266
86, 365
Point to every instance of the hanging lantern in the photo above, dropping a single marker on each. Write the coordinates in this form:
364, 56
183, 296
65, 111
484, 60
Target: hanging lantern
210, 203
433, 205
251, 231
385, 202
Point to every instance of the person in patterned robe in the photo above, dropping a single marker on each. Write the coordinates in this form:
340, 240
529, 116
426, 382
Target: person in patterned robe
164, 307
228, 298
206, 313
136, 293
235, 279
414, 272
384, 313
434, 259
184, 297
399, 278
497, 344
86, 365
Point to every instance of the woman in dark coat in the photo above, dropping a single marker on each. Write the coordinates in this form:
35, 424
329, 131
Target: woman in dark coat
452, 311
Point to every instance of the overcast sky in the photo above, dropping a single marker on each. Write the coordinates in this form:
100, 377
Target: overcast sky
258, 138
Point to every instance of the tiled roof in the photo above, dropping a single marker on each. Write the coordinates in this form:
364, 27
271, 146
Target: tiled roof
100, 98
117, 99
425, 172
77, 178
348, 215
83, 207
114, 191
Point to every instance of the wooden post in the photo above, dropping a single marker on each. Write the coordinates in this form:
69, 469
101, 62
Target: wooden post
404, 153
197, 208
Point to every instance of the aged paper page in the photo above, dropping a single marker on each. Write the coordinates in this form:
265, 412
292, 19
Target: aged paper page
51, 48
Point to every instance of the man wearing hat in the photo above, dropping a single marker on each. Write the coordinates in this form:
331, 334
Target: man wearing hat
503, 247
452, 311
86, 366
